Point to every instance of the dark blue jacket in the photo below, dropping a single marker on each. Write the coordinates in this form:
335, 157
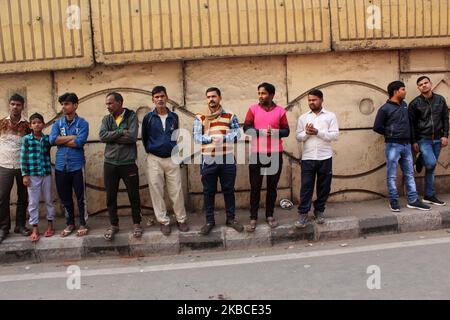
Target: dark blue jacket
157, 141
393, 121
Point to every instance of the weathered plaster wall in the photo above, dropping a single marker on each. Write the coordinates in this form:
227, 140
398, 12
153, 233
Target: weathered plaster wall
354, 84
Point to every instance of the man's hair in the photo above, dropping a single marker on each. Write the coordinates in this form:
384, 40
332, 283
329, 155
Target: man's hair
17, 97
117, 96
159, 89
423, 78
37, 116
270, 88
214, 89
395, 86
317, 93
68, 97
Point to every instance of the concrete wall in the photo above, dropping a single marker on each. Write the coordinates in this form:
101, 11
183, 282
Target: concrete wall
353, 82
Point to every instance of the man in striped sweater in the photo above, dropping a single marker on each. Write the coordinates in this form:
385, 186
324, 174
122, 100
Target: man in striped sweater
217, 130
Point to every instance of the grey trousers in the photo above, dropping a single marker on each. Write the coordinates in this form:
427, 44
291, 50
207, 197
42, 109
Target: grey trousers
40, 185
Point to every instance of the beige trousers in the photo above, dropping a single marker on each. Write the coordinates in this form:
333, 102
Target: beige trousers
162, 172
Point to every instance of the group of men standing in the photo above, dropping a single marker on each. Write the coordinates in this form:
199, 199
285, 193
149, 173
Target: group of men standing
423, 127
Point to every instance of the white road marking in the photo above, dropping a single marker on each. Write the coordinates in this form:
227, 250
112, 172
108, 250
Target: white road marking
228, 262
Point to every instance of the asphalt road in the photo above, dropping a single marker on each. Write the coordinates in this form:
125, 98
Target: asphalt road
404, 266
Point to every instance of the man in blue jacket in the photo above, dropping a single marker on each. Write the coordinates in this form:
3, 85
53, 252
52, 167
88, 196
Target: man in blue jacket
70, 134
394, 123
158, 135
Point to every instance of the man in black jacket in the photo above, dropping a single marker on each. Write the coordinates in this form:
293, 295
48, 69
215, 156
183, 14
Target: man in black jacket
429, 113
393, 122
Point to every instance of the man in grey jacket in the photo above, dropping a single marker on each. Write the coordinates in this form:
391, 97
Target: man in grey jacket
119, 130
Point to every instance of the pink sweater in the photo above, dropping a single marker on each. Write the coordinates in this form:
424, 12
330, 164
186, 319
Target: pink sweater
260, 119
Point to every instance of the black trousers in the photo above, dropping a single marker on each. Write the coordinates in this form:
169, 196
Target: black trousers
130, 176
65, 183
7, 177
260, 166
311, 169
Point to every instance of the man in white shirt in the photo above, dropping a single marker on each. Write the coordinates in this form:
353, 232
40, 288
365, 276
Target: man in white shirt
316, 129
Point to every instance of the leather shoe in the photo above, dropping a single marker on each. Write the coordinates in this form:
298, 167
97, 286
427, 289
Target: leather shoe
22, 230
3, 235
166, 229
206, 229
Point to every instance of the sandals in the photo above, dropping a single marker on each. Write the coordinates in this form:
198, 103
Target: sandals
49, 233
67, 231
35, 237
251, 227
82, 231
272, 222
138, 231
109, 234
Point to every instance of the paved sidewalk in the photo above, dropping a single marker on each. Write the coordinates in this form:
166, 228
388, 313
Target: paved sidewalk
344, 221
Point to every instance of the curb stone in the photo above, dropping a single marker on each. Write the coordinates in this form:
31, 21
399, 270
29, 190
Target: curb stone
379, 225
244, 240
20, 249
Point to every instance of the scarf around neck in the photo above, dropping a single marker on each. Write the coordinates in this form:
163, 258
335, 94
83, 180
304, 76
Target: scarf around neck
211, 116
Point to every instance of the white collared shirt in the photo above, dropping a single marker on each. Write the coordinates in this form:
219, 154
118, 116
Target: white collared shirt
318, 147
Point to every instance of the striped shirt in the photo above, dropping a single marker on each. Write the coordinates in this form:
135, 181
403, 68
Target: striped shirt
35, 156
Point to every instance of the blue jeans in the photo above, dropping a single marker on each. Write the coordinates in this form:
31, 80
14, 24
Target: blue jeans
430, 151
396, 153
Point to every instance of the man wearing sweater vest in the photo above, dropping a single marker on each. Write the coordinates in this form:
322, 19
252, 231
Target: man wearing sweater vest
217, 130
119, 130
267, 123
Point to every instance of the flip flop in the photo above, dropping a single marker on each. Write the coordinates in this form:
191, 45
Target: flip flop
272, 222
110, 233
251, 227
49, 233
35, 237
67, 231
81, 232
138, 231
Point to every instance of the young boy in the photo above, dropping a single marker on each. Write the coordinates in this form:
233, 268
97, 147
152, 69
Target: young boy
37, 174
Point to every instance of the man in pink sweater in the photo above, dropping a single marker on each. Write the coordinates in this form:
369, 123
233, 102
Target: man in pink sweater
266, 123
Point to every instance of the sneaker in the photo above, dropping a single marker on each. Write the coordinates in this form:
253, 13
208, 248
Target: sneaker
419, 163
301, 223
434, 200
206, 229
235, 225
395, 207
320, 217
166, 229
419, 205
183, 227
